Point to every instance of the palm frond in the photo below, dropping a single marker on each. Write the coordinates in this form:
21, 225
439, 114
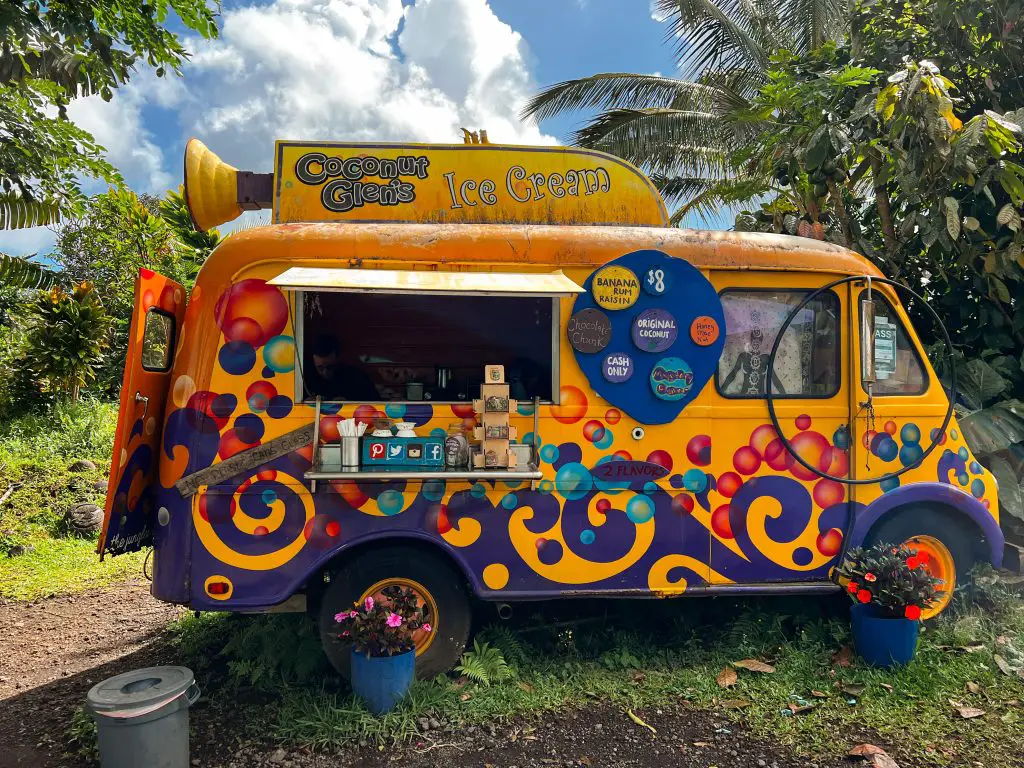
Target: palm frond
716, 35
634, 134
719, 197
17, 212
22, 272
676, 189
812, 22
609, 90
734, 88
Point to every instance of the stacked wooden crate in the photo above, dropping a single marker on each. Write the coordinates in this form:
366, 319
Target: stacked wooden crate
494, 432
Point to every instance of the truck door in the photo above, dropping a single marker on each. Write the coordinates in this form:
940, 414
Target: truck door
772, 519
159, 311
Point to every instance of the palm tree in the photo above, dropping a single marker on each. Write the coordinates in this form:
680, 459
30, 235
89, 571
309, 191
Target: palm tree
693, 135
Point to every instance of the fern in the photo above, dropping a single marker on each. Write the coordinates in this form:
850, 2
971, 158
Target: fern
484, 664
506, 641
274, 649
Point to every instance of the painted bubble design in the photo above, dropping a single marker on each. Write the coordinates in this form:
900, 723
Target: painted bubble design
698, 450
695, 481
279, 354
390, 502
252, 312
574, 481
640, 509
237, 357
549, 453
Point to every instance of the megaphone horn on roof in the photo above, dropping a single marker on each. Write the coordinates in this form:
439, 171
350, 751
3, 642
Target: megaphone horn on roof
216, 192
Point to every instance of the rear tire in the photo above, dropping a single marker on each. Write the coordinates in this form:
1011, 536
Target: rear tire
445, 587
960, 539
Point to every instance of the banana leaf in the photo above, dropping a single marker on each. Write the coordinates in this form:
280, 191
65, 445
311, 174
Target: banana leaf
996, 437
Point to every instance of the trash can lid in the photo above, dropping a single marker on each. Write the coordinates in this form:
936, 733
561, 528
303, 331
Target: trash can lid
140, 689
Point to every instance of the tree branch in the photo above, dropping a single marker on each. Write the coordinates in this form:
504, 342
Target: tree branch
884, 209
841, 214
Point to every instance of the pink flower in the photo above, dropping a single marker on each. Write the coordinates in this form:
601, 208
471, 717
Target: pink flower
352, 614
342, 616
427, 628
394, 620
369, 603
346, 633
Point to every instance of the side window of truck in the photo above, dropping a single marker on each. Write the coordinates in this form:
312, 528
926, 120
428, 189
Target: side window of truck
898, 369
157, 341
808, 362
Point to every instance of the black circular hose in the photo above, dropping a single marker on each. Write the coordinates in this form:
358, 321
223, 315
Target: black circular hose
771, 371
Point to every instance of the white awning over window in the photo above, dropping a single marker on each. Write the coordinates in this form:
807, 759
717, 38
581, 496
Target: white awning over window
422, 282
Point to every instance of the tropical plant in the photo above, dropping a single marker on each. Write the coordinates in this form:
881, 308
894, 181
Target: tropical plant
53, 52
193, 246
894, 579
677, 130
65, 338
272, 650
384, 626
883, 155
118, 234
484, 664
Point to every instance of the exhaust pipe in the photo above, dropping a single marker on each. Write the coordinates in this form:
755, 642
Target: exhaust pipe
504, 611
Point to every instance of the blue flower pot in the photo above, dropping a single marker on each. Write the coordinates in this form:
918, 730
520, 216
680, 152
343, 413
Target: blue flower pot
382, 681
881, 641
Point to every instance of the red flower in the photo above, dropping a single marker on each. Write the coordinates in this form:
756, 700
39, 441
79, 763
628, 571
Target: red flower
852, 587
923, 557
912, 612
864, 596
913, 562
870, 577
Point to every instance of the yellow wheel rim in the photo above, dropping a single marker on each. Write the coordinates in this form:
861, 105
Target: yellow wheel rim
940, 565
420, 638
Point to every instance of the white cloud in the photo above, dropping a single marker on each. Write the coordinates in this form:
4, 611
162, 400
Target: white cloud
118, 126
356, 70
23, 242
342, 70
658, 14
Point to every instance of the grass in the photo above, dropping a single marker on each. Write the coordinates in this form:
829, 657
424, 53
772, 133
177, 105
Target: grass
35, 454
664, 655
61, 567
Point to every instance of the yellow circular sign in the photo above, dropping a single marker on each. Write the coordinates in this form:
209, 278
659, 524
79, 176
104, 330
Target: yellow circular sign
615, 288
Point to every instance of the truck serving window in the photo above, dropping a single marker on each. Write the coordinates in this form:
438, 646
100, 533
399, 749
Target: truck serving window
898, 369
807, 364
367, 347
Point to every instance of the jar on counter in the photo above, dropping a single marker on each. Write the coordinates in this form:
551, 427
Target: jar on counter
456, 447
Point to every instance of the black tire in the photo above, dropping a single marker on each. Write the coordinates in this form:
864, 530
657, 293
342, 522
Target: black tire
445, 585
960, 537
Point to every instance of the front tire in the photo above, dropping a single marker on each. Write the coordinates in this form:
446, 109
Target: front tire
953, 546
441, 589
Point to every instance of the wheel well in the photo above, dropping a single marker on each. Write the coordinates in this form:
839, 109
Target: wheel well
945, 512
318, 581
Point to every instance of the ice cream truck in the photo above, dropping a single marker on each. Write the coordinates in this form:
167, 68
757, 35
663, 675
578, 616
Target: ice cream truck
680, 412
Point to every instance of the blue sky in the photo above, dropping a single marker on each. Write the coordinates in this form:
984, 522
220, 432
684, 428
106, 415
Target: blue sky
389, 70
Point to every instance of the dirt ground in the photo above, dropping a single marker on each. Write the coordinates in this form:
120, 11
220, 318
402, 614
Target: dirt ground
53, 651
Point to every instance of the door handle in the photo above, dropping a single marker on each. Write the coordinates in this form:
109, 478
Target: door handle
141, 398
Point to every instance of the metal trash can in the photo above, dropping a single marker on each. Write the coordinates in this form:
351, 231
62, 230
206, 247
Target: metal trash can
142, 717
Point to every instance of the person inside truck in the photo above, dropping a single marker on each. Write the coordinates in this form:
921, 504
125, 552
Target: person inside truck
332, 379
